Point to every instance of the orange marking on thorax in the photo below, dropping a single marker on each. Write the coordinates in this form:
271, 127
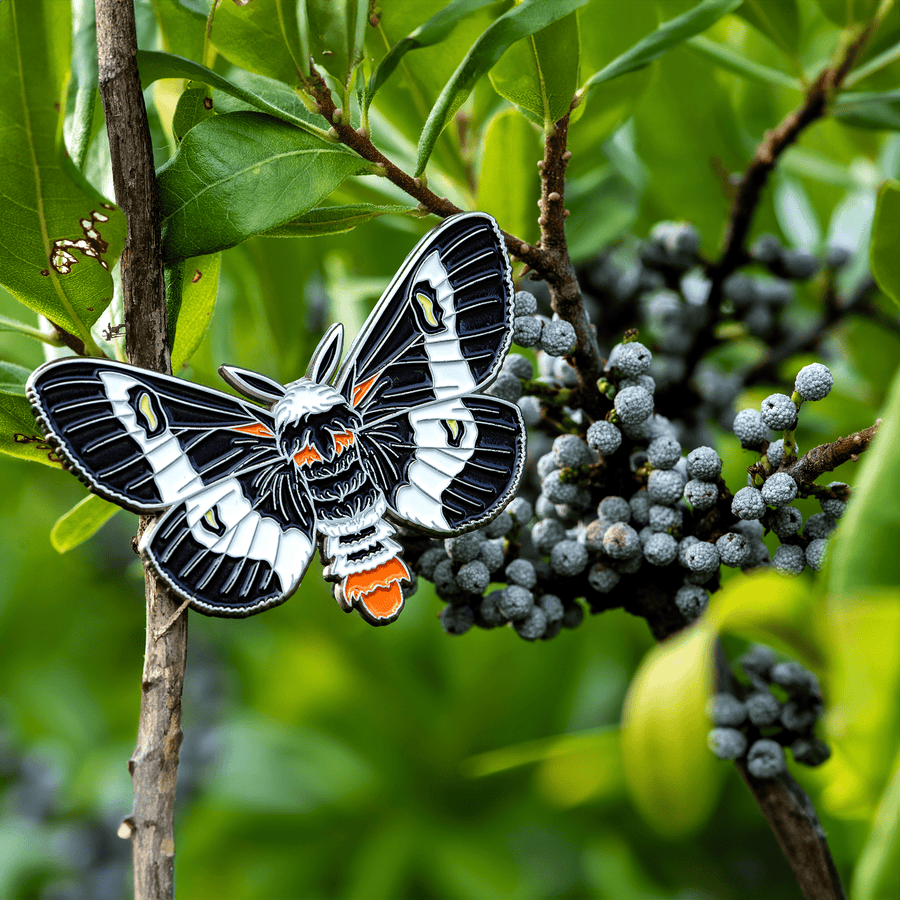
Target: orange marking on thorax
307, 455
362, 389
256, 428
342, 440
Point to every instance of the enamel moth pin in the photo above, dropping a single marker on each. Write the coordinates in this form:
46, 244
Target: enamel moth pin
403, 435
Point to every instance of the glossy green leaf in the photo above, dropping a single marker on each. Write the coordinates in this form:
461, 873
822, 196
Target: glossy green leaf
241, 174
265, 94
194, 105
81, 522
8, 324
336, 219
883, 256
520, 22
670, 34
335, 30
19, 432
438, 28
182, 28
261, 36
198, 292
671, 775
876, 64
56, 249
509, 183
780, 22
864, 109
730, 60
82, 91
846, 12
877, 874
864, 555
540, 73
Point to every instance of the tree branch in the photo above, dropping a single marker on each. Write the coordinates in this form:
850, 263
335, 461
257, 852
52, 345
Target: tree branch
827, 457
154, 763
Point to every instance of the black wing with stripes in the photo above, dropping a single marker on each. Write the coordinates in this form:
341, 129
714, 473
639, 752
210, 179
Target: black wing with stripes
240, 527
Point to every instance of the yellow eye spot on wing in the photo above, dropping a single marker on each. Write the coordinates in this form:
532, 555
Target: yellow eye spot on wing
427, 308
453, 425
146, 407
211, 518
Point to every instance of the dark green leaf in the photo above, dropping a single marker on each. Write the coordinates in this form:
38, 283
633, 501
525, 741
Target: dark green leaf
198, 291
520, 22
7, 324
876, 109
54, 206
241, 174
194, 105
883, 256
335, 30
259, 92
335, 219
509, 186
438, 28
540, 73
728, 59
877, 874
84, 520
846, 12
670, 34
19, 433
82, 91
183, 30
261, 36
780, 22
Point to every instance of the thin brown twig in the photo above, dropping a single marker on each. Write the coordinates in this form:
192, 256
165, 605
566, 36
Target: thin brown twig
154, 762
827, 457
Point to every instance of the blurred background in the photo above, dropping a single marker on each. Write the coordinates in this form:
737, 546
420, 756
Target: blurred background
327, 759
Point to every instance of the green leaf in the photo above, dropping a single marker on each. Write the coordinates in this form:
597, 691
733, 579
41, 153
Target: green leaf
883, 256
864, 552
261, 36
335, 30
82, 521
780, 22
82, 90
241, 174
540, 73
520, 22
183, 30
876, 109
54, 205
7, 324
509, 184
877, 874
670, 34
257, 91
336, 219
438, 28
194, 105
19, 432
726, 58
846, 12
671, 775
198, 291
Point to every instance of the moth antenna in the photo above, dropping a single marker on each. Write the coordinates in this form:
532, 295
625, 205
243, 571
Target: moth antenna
327, 355
253, 385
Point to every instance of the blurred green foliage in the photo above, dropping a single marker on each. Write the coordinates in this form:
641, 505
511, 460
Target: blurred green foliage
327, 759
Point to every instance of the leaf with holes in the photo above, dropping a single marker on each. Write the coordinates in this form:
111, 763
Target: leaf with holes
57, 249
19, 433
241, 174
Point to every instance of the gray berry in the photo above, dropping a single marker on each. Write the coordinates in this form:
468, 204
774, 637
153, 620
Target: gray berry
779, 412
758, 660
796, 717
819, 525
602, 578
660, 549
702, 557
527, 331
604, 437
558, 338
633, 359
740, 289
799, 264
553, 608
647, 382
492, 554
691, 600
796, 679
664, 452
750, 429
445, 584
785, 521
457, 619
725, 710
500, 526
810, 751
704, 464
465, 547
767, 249
521, 510
532, 626
519, 366
547, 464
531, 411
570, 451
574, 616
727, 743
515, 602
524, 303
765, 759
640, 504
521, 572
701, 494
429, 560
490, 611
789, 560
633, 405
665, 486
734, 550
569, 558
558, 491
665, 518
813, 382
775, 453
592, 537
621, 541
614, 509
748, 503
506, 387
832, 506
763, 708
779, 489
473, 577
815, 554
546, 534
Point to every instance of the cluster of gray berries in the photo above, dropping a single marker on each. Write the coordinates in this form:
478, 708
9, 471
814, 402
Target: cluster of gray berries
774, 706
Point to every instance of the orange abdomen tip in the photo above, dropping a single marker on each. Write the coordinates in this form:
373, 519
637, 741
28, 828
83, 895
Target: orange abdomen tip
377, 591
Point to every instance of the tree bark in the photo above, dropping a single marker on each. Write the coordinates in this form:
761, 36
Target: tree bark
154, 763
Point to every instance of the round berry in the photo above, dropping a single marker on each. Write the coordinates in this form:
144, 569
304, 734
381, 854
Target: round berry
633, 359
570, 451
531, 411
775, 453
758, 660
647, 382
429, 561
779, 489
691, 600
796, 717
660, 549
799, 264
527, 331
489, 611
665, 486
704, 464
604, 437
734, 550
445, 584
473, 577
701, 494
532, 626
763, 708
765, 759
815, 554
789, 559
492, 554
558, 338
727, 743
726, 710
785, 521
515, 602
614, 509
457, 619
574, 616
767, 249
664, 452
465, 547
640, 504
521, 572
602, 578
810, 751
702, 557
553, 608
556, 490
819, 525
814, 382
621, 541
500, 526
546, 534
633, 405
795, 679
832, 506
748, 503
518, 365
569, 558
750, 429
779, 412
506, 387
665, 518
525, 303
